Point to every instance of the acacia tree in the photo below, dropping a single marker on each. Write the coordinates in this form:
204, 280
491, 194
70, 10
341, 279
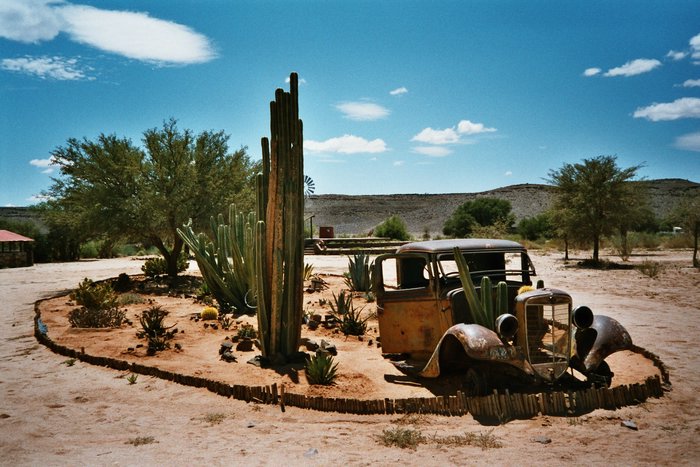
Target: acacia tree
111, 188
687, 214
594, 198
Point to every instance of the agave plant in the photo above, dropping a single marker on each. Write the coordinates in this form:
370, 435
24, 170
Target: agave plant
358, 277
341, 303
320, 369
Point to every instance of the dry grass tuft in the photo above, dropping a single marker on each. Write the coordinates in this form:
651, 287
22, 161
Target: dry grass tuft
141, 440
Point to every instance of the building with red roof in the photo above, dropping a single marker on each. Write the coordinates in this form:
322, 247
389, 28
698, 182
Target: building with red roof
16, 251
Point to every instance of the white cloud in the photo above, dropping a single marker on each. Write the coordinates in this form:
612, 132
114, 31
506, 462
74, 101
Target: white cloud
591, 71
635, 67
674, 55
48, 165
465, 127
346, 144
134, 35
362, 110
689, 142
29, 21
399, 91
433, 151
42, 163
301, 80
398, 163
695, 46
508, 173
38, 198
691, 83
58, 68
685, 107
430, 136
451, 135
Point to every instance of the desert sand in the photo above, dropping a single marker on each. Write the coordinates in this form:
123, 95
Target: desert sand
55, 414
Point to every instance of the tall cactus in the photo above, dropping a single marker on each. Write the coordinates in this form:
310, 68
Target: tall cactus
226, 262
280, 230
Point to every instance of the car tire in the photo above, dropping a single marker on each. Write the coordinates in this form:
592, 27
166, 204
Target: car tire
602, 376
475, 383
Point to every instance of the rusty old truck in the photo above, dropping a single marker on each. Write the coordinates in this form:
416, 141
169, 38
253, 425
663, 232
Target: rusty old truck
425, 320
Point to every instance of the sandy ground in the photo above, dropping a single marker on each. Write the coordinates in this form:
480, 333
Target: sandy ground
55, 414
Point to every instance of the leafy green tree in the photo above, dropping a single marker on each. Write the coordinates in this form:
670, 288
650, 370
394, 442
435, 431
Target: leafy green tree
687, 215
393, 227
109, 188
479, 212
593, 198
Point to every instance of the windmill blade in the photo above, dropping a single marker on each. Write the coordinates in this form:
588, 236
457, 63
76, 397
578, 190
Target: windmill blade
309, 186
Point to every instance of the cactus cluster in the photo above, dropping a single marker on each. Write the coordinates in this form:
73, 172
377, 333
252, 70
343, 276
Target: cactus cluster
227, 261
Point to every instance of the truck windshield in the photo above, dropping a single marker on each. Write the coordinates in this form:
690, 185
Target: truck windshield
498, 266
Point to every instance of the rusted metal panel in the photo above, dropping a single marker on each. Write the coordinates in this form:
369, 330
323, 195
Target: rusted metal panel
411, 326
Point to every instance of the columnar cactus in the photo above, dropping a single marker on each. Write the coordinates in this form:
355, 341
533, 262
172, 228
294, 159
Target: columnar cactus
279, 244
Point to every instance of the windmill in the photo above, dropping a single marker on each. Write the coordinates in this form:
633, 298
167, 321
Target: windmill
309, 186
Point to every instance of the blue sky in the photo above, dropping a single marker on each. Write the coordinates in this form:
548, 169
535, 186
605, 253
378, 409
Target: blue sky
396, 96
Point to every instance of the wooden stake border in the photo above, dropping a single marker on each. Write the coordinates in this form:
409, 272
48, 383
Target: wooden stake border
499, 406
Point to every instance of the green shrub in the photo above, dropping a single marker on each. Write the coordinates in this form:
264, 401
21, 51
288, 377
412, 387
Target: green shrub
404, 438
358, 277
99, 306
320, 369
650, 268
393, 228
678, 241
89, 250
153, 267
539, 226
130, 299
94, 296
247, 331
481, 212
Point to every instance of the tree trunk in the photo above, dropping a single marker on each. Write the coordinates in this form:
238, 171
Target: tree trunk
696, 231
596, 248
173, 258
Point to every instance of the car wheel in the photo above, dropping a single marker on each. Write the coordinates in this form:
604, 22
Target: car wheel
602, 376
475, 383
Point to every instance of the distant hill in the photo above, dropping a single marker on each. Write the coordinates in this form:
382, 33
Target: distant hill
359, 214
22, 214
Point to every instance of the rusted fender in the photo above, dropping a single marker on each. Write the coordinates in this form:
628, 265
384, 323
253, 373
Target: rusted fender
479, 343
610, 337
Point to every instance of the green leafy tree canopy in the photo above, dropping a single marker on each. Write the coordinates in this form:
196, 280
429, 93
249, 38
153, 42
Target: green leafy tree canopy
593, 198
109, 187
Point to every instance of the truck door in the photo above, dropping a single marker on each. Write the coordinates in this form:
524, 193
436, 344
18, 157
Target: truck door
407, 307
